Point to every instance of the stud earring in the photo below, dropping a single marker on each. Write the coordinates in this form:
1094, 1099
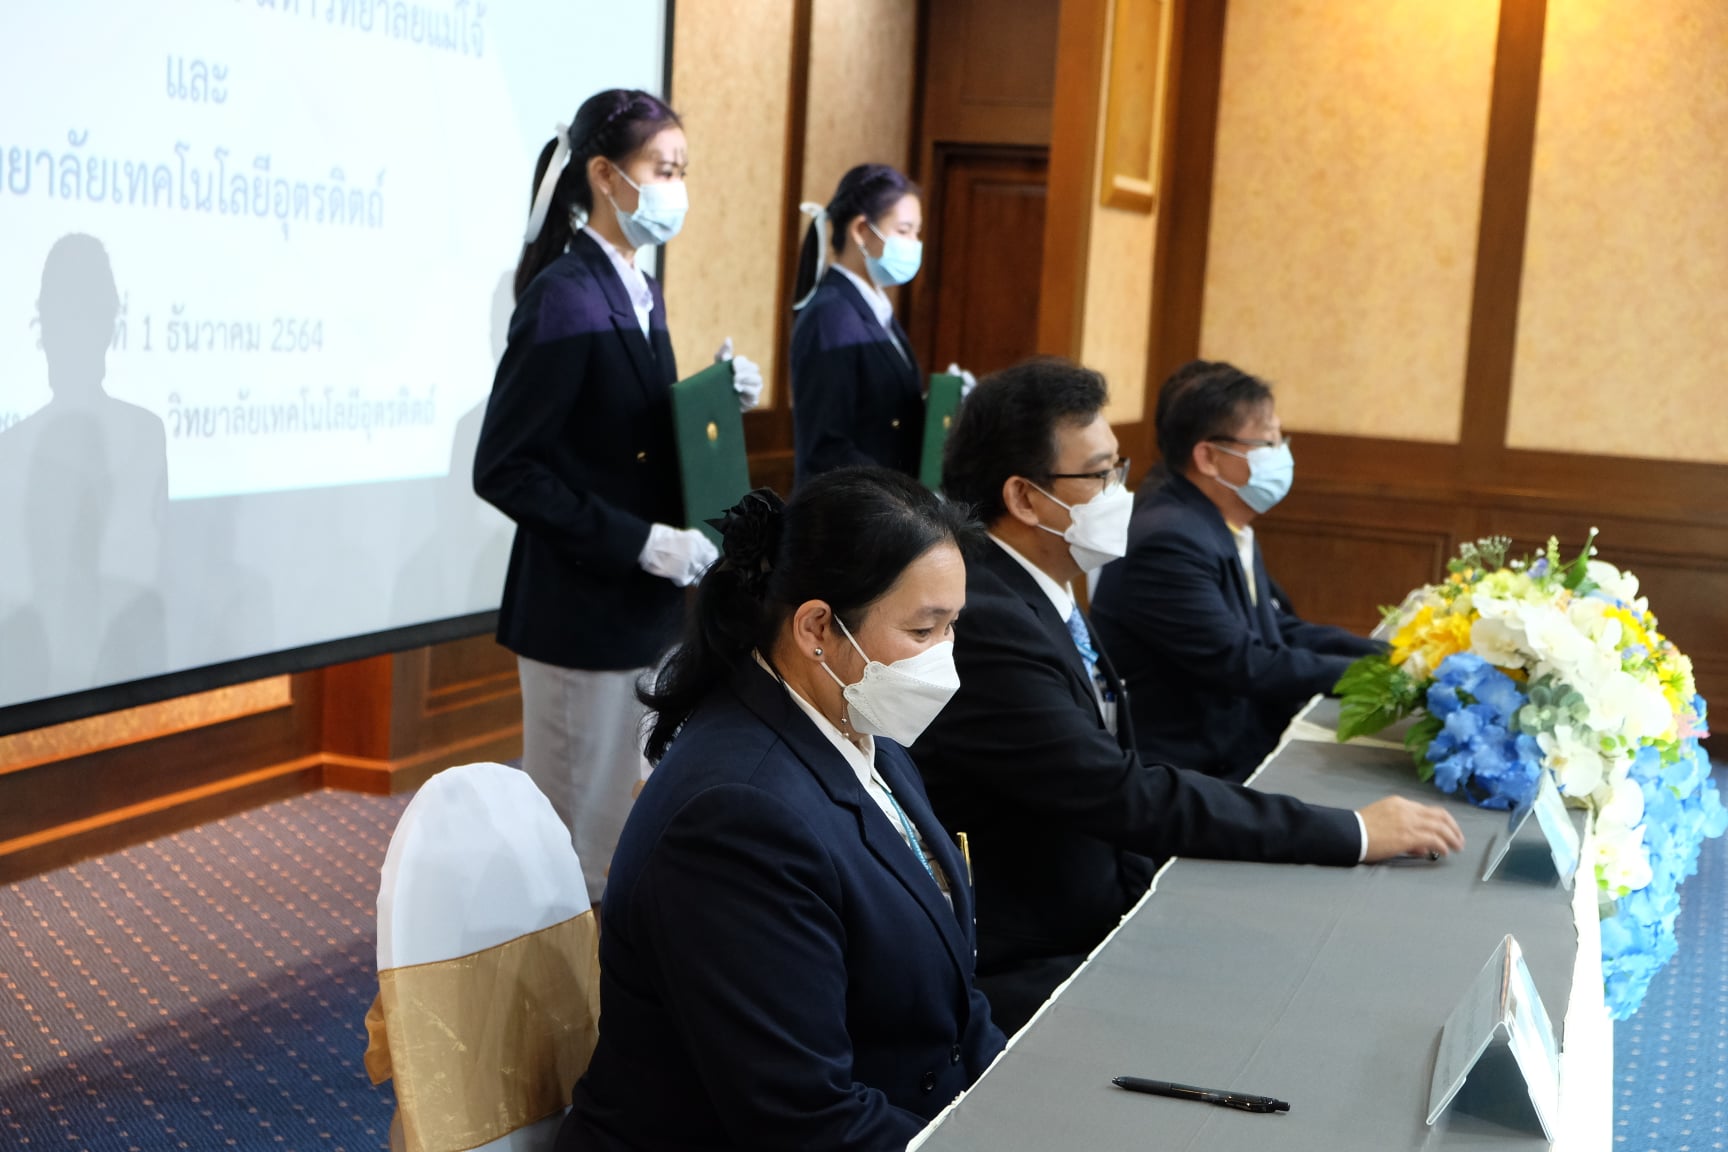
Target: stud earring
818, 651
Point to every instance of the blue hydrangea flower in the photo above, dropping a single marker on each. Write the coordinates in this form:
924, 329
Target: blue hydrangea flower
1477, 749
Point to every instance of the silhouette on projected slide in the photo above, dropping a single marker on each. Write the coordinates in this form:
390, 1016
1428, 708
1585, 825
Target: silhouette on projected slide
83, 496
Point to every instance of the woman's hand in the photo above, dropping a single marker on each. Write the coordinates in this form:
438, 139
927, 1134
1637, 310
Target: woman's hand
746, 376
680, 555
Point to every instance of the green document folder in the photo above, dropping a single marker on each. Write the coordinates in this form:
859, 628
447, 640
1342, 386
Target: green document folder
939, 409
712, 465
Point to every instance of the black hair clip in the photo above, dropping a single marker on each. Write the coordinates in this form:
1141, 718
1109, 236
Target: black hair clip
750, 537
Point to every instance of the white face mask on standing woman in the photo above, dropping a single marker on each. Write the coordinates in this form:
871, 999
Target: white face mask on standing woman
660, 210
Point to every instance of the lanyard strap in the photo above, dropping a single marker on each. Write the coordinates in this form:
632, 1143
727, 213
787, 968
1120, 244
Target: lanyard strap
911, 836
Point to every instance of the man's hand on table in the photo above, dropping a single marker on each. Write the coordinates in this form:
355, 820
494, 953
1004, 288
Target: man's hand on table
1400, 827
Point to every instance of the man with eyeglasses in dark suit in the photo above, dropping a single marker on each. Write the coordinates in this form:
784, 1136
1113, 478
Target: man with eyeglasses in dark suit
1035, 758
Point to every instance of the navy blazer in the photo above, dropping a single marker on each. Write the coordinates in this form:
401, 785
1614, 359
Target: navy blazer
1065, 819
856, 399
1214, 677
577, 448
777, 970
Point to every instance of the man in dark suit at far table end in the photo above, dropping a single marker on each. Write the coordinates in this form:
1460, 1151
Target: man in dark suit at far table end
1215, 661
1034, 758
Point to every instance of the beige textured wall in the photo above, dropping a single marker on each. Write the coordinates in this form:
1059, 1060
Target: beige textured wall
1345, 207
1116, 328
731, 66
862, 76
1625, 295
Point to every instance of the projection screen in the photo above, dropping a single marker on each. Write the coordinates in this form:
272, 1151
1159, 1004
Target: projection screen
255, 281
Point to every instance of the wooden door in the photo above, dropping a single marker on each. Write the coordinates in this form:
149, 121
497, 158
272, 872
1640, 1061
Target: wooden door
984, 244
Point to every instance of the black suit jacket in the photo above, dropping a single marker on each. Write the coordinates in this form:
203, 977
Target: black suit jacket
1214, 677
577, 448
856, 400
1065, 819
777, 970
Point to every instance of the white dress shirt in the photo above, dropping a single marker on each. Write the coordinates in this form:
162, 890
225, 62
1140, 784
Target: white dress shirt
635, 280
1062, 599
861, 758
1245, 552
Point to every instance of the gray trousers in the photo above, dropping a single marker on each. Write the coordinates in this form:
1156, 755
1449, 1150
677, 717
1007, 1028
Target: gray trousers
582, 746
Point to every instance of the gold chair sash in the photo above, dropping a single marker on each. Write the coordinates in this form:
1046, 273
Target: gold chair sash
484, 1044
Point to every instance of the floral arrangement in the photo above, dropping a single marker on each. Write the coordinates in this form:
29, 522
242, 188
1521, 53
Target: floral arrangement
1516, 668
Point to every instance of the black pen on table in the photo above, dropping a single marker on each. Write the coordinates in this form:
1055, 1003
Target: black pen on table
1221, 1097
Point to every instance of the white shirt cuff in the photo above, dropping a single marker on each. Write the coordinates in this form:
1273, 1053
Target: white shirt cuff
1361, 826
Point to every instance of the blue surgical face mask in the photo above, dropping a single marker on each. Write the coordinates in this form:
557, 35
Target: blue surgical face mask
1270, 471
660, 209
899, 260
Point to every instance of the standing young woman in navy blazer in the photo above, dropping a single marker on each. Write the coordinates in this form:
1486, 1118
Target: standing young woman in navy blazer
857, 391
577, 448
787, 942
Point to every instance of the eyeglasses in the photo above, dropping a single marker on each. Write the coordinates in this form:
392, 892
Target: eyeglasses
1281, 442
1117, 473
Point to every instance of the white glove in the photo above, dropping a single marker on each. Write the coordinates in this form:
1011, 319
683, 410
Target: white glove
746, 376
680, 555
967, 380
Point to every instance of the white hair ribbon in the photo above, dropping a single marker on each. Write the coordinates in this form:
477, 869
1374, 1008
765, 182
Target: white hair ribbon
819, 216
548, 182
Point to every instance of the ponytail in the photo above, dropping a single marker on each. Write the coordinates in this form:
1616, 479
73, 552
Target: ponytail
867, 190
813, 256
845, 539
613, 124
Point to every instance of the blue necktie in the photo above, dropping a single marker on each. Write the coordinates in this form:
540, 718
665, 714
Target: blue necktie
1083, 641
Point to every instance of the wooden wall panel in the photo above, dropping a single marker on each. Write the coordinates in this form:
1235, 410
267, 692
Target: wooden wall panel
990, 71
1080, 71
58, 811
1341, 572
113, 729
986, 87
379, 725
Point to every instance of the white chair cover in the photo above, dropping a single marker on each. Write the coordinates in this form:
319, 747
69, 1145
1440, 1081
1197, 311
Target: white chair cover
478, 859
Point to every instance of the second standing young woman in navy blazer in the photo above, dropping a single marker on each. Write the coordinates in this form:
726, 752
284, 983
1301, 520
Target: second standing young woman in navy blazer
857, 391
577, 448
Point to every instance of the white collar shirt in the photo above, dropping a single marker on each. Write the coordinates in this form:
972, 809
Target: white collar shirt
635, 280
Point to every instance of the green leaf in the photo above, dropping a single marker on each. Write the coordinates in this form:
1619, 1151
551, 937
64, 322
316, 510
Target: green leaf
1416, 741
1374, 694
1575, 576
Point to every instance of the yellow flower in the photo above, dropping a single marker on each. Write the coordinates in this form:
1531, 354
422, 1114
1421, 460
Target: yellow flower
1632, 630
1431, 639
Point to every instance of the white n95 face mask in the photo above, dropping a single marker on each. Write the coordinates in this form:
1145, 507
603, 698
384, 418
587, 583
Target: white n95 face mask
899, 700
660, 211
1098, 529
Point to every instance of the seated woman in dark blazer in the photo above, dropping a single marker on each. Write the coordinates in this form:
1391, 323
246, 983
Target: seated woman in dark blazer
857, 391
787, 944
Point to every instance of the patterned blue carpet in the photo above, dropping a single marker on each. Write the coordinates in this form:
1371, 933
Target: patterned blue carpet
1671, 1060
207, 991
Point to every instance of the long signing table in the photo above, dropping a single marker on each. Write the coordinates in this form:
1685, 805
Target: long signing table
1324, 987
